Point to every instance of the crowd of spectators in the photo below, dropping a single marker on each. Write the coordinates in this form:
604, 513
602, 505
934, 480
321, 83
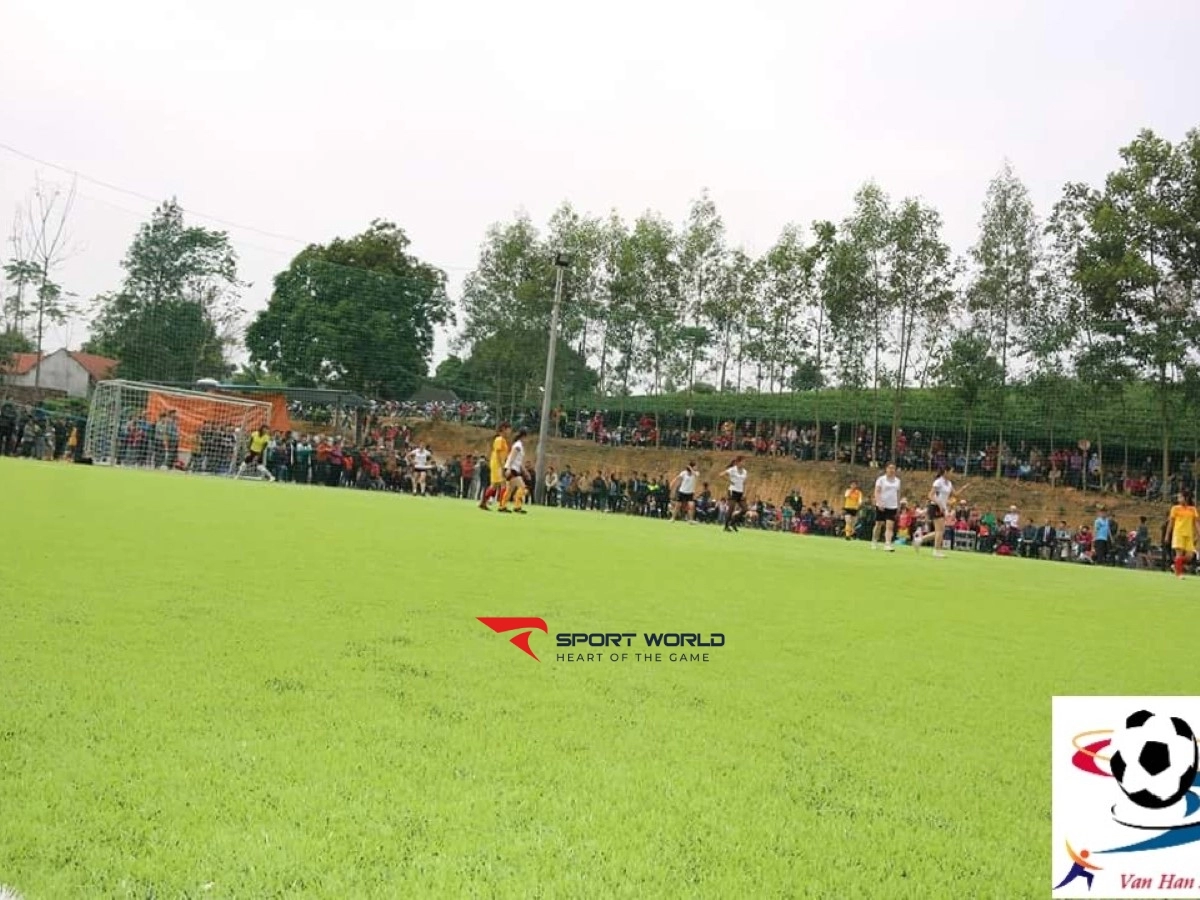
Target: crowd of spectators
376, 411
1079, 466
37, 433
380, 462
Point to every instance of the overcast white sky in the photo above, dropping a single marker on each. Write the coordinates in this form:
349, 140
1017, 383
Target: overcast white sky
308, 119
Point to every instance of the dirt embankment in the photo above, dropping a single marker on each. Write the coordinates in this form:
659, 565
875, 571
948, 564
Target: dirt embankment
772, 478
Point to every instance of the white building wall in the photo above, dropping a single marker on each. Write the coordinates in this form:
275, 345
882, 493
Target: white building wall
59, 372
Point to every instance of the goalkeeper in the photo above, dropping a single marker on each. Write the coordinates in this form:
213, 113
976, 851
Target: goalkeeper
259, 441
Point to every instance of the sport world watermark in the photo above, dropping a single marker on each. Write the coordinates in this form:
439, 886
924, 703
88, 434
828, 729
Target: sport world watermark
600, 647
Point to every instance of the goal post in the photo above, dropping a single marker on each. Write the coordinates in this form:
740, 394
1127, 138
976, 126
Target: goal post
132, 423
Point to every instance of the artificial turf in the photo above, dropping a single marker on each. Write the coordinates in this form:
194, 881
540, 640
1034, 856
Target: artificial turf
219, 689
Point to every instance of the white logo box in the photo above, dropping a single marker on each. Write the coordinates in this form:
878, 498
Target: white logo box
1132, 849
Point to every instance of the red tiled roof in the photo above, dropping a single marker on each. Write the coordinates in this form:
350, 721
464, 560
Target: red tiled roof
98, 367
21, 363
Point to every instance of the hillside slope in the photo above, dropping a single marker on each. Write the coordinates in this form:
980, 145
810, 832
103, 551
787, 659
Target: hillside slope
771, 479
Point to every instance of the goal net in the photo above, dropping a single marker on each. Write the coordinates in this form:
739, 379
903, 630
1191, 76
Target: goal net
135, 424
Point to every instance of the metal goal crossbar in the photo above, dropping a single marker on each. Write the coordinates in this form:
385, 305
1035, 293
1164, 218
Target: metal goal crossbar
133, 423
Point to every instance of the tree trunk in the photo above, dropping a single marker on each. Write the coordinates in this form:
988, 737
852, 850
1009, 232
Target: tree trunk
817, 436
1166, 427
854, 427
820, 382
967, 452
874, 397
726, 350
37, 369
897, 404
603, 358
1004, 371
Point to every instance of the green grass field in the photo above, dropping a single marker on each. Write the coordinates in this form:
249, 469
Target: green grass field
218, 689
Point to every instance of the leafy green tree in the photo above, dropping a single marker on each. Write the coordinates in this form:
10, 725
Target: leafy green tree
655, 287
1131, 267
921, 285
176, 311
512, 284
731, 301
254, 374
40, 248
702, 259
583, 239
695, 340
1102, 372
789, 289
845, 271
11, 342
21, 274
618, 311
745, 281
357, 314
509, 368
1004, 292
451, 373
870, 231
807, 376
972, 374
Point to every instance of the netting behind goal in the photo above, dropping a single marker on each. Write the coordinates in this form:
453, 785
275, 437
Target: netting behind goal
135, 424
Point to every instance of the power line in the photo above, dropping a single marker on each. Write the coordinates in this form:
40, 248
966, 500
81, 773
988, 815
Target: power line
132, 193
155, 201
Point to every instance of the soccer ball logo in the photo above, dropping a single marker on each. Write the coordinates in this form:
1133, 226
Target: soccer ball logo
1154, 759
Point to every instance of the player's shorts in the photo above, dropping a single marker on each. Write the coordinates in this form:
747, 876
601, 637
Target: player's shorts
852, 513
512, 473
684, 498
1183, 545
736, 496
253, 459
933, 511
885, 515
420, 471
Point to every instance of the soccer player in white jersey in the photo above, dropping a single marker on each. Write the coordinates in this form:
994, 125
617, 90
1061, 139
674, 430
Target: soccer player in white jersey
421, 459
514, 474
685, 497
937, 513
737, 493
887, 504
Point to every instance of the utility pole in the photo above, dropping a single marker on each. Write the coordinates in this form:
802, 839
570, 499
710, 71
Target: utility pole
561, 261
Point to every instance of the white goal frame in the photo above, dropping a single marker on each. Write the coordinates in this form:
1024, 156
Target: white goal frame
117, 402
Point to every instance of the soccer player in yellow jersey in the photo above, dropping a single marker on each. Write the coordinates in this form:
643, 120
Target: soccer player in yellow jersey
259, 441
1182, 525
496, 465
850, 505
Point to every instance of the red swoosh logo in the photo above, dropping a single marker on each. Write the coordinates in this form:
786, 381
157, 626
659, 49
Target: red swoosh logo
501, 624
1087, 763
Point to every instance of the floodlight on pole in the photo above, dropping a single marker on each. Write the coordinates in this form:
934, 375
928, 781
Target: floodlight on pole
561, 261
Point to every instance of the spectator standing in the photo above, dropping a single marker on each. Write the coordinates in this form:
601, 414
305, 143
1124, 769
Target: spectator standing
466, 475
304, 452
1101, 537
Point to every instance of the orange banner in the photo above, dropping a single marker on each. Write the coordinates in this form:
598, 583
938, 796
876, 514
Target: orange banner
280, 420
193, 413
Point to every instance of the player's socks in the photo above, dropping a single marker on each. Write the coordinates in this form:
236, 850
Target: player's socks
504, 498
519, 500
1179, 566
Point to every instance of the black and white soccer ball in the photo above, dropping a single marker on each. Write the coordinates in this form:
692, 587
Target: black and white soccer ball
1154, 759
